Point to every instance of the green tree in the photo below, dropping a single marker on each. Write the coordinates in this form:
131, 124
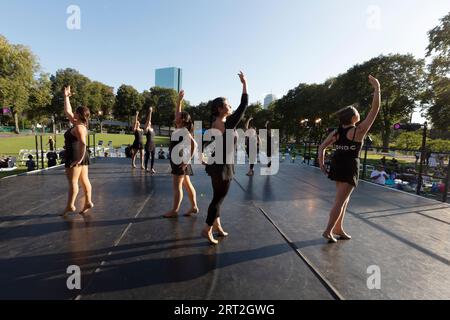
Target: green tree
17, 68
164, 102
128, 101
39, 99
99, 98
79, 84
438, 93
402, 84
409, 140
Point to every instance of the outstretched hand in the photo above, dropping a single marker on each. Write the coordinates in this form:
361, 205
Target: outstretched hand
181, 95
374, 82
67, 92
242, 77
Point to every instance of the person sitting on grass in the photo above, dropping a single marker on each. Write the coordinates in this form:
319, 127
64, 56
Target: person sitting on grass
379, 176
31, 165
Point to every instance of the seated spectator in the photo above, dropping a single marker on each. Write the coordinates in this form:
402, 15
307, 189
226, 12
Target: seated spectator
383, 161
4, 163
51, 158
379, 176
161, 154
31, 165
62, 155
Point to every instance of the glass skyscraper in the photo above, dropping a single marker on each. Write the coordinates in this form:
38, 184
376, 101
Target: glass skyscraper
170, 78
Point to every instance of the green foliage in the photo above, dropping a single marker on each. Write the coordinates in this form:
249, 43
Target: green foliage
17, 68
128, 101
439, 145
164, 102
40, 97
409, 140
438, 93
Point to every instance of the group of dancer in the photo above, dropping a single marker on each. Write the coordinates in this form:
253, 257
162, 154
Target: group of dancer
344, 169
139, 146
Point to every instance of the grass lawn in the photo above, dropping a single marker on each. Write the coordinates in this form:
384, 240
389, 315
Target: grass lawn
12, 145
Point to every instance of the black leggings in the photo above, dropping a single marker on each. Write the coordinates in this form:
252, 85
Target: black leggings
247, 149
147, 157
220, 190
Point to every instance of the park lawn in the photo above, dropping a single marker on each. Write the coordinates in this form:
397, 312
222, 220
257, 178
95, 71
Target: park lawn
12, 145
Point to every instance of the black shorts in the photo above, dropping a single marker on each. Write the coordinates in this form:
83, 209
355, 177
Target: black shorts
178, 170
345, 170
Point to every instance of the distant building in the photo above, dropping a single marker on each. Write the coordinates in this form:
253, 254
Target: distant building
268, 100
170, 78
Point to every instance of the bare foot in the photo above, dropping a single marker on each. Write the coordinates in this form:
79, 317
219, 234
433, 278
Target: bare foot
207, 233
171, 215
68, 210
87, 207
342, 235
220, 232
191, 212
133, 166
329, 237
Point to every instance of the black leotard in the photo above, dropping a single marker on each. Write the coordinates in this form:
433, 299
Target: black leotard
222, 174
345, 160
150, 144
227, 170
177, 169
138, 143
69, 141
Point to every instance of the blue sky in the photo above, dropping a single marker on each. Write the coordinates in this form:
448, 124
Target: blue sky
277, 43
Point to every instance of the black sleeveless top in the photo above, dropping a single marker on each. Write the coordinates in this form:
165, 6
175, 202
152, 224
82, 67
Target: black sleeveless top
150, 144
69, 141
224, 169
138, 139
345, 148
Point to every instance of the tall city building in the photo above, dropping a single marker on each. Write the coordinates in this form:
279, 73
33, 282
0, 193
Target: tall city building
268, 100
170, 78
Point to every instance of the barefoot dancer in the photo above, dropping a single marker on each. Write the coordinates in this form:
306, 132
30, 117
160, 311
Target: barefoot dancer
222, 173
252, 136
77, 156
138, 144
345, 162
269, 143
181, 172
150, 144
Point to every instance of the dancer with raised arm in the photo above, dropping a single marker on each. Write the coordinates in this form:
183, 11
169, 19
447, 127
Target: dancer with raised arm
150, 146
138, 144
251, 136
344, 169
182, 171
77, 155
222, 173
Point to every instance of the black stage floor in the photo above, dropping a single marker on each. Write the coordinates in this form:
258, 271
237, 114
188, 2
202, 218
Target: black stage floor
275, 249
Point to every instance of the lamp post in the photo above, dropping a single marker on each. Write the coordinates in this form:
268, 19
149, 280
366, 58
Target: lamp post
304, 123
100, 118
318, 124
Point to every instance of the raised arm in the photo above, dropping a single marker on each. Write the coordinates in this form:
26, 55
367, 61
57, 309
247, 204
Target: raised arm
67, 106
136, 121
247, 124
325, 144
149, 119
179, 104
365, 125
237, 116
